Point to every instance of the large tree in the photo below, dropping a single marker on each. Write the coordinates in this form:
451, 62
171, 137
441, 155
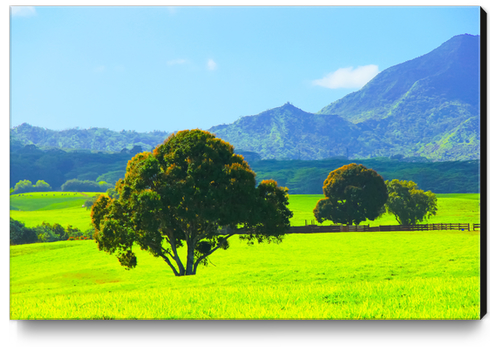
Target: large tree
353, 193
408, 203
192, 190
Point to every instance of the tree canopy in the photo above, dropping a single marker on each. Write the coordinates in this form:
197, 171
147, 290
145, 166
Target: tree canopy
353, 193
408, 203
192, 190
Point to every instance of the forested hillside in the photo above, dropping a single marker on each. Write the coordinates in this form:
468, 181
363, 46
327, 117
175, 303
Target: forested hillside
93, 139
307, 176
57, 166
288, 132
427, 107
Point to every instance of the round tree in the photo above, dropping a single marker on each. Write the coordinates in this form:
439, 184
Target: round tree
353, 194
192, 190
408, 203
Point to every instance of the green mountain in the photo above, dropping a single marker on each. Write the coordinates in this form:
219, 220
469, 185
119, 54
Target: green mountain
287, 132
93, 139
426, 107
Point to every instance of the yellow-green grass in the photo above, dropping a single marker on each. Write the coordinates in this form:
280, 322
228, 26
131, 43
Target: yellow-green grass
392, 275
48, 201
54, 207
452, 208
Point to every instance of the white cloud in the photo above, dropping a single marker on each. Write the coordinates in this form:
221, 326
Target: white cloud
211, 65
176, 62
348, 77
22, 11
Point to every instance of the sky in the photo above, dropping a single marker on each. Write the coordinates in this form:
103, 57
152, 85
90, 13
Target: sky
173, 68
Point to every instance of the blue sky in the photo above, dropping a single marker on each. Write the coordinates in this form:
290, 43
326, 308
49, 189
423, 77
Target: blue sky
174, 68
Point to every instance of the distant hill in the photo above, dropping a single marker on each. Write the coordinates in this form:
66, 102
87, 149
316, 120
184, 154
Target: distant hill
427, 107
93, 139
56, 166
288, 132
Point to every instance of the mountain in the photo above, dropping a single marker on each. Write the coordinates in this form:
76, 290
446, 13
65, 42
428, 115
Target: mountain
94, 139
426, 107
288, 132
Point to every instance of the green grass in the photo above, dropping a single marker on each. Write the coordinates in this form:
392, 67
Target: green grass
452, 208
47, 201
390, 275
411, 275
35, 208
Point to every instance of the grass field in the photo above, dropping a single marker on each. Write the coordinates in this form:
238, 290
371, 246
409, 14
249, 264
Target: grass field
453, 208
34, 208
391, 275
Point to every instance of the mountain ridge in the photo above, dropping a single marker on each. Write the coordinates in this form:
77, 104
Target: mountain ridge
425, 107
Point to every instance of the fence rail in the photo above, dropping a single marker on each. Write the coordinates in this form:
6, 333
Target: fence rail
312, 229
315, 229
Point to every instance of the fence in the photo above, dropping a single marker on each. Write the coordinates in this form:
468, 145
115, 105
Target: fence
312, 228
315, 229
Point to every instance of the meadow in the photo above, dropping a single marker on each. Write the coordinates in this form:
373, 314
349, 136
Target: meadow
389, 275
34, 208
54, 207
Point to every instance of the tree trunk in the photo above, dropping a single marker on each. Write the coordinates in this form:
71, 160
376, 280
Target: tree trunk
191, 245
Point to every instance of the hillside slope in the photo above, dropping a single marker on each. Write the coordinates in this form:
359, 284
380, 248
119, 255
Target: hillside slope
428, 106
94, 139
288, 132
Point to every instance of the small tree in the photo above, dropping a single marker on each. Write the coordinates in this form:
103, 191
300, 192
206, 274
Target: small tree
73, 232
47, 233
42, 186
192, 190
23, 186
408, 203
353, 194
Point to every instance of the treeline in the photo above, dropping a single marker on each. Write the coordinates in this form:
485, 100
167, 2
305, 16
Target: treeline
20, 234
306, 177
74, 185
93, 139
56, 167
26, 186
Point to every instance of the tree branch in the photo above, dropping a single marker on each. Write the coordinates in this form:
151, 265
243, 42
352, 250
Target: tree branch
211, 251
175, 256
170, 264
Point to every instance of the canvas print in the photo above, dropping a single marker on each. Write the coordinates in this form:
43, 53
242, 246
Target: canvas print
245, 163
